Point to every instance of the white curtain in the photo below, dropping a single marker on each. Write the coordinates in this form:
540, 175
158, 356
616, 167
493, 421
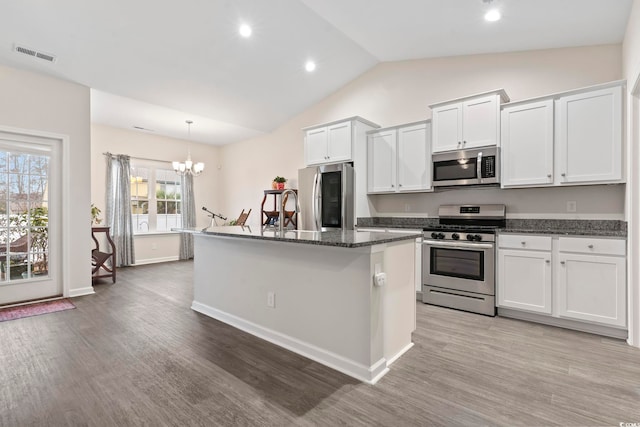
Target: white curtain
118, 212
188, 217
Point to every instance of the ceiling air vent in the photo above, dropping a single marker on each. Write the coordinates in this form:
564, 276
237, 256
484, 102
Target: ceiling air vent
35, 53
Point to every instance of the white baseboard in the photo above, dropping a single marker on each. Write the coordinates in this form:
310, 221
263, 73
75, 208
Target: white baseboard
398, 354
609, 331
369, 375
81, 291
156, 260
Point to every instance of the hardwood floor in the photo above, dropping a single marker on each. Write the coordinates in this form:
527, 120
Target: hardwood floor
136, 354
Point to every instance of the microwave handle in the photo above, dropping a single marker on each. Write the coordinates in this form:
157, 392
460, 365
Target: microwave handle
479, 167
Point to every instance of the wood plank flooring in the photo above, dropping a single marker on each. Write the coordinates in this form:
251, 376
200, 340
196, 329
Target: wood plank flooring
136, 354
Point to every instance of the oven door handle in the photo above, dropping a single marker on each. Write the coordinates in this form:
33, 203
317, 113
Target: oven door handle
440, 243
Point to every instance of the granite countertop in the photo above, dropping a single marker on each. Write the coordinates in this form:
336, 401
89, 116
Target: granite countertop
577, 227
345, 239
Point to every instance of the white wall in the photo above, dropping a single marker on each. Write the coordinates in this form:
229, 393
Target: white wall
631, 71
33, 101
400, 92
156, 247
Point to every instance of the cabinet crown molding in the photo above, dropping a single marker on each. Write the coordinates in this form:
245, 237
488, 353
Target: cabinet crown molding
503, 97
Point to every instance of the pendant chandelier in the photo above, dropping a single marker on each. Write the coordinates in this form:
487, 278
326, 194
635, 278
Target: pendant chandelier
188, 167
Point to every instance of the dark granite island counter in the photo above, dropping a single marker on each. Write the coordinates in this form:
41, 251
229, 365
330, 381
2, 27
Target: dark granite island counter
344, 299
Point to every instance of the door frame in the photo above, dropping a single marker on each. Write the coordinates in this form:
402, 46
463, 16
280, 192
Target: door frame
633, 213
65, 199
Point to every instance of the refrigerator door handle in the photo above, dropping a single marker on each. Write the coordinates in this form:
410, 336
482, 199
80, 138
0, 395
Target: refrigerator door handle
314, 201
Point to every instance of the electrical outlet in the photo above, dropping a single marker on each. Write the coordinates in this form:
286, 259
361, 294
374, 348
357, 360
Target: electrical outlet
571, 206
271, 299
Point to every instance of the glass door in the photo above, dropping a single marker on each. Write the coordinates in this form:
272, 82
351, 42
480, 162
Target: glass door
331, 199
28, 219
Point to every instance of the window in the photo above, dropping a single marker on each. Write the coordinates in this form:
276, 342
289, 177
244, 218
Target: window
156, 194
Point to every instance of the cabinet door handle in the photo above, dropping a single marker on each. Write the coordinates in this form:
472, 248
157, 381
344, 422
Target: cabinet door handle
548, 175
562, 262
459, 143
563, 174
590, 246
523, 243
392, 185
547, 261
464, 142
399, 185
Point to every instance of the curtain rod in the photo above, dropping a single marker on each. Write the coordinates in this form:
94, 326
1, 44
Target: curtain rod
138, 158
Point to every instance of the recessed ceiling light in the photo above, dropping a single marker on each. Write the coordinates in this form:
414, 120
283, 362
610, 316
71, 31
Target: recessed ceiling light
310, 66
493, 15
245, 31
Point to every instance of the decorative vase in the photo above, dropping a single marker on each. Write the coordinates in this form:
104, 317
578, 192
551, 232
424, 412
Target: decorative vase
274, 185
280, 185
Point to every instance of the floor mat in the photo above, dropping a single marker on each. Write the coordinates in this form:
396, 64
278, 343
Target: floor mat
36, 309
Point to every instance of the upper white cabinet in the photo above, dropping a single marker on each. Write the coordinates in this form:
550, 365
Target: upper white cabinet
570, 138
329, 144
589, 132
468, 122
335, 142
527, 144
399, 159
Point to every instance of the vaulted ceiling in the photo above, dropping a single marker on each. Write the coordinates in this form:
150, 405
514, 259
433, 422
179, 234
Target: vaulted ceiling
155, 64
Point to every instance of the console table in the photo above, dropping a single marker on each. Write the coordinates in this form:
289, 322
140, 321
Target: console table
270, 216
103, 264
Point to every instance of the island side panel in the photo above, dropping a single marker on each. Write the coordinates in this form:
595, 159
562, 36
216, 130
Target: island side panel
324, 296
399, 300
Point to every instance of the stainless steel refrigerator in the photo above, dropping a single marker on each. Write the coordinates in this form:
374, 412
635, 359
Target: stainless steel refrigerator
327, 197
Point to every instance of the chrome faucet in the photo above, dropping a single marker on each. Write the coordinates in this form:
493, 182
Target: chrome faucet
283, 199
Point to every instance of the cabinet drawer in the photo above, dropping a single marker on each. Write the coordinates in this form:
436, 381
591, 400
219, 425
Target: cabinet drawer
592, 245
519, 241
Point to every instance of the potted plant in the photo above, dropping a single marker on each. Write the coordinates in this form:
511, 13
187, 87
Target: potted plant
95, 215
279, 182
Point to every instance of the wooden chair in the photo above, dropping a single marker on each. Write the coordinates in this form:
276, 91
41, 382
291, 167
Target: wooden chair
243, 217
100, 268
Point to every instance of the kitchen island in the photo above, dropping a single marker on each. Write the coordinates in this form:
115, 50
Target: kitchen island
315, 293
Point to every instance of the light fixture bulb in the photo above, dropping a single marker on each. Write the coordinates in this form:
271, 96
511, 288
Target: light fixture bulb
492, 15
245, 31
310, 66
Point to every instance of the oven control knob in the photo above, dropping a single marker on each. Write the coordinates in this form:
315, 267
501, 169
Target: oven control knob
455, 236
477, 238
470, 237
440, 236
434, 235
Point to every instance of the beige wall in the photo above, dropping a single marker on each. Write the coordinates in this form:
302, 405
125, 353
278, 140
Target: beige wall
155, 247
34, 102
400, 92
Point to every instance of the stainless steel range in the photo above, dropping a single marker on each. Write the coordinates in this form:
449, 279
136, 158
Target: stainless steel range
458, 258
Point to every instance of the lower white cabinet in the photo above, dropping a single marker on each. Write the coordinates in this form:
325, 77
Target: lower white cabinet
591, 280
575, 278
524, 280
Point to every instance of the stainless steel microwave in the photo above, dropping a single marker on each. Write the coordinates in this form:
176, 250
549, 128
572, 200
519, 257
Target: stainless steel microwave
476, 166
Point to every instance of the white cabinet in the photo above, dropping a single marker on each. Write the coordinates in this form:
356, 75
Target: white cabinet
399, 159
527, 144
579, 279
589, 132
524, 273
571, 138
468, 122
591, 279
381, 161
329, 144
